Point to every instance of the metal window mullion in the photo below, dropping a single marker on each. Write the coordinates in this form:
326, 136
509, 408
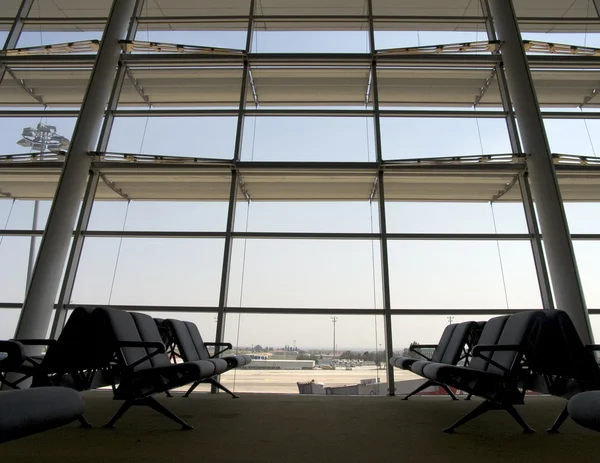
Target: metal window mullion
383, 242
228, 245
109, 117
75, 255
537, 247
511, 123
15, 32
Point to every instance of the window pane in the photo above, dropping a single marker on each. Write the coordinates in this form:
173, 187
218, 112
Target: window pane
421, 8
158, 216
298, 41
304, 216
416, 38
24, 135
299, 348
573, 136
308, 139
305, 274
207, 37
8, 322
34, 36
199, 137
462, 275
13, 277
449, 217
158, 271
587, 254
583, 217
407, 138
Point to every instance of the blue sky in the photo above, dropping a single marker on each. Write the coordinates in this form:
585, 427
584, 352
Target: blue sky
303, 273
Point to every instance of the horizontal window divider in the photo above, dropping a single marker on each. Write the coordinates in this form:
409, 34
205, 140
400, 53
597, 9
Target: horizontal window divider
176, 112
11, 305
457, 311
306, 235
50, 61
151, 234
192, 19
302, 311
442, 113
309, 112
570, 115
21, 232
99, 20
585, 236
149, 308
460, 236
316, 165
39, 113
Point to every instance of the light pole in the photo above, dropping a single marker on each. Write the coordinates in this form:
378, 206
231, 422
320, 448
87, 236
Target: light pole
334, 320
40, 138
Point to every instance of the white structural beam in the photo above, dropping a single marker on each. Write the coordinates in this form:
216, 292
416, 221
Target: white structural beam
544, 184
45, 281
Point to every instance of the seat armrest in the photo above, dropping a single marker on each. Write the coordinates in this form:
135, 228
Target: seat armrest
159, 346
422, 346
15, 354
227, 346
479, 348
415, 348
36, 342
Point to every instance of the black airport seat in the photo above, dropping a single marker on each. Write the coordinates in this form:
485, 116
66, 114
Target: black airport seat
140, 361
564, 366
498, 368
186, 343
584, 409
28, 411
69, 360
454, 347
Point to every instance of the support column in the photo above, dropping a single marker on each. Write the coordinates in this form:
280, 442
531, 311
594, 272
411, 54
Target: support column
45, 281
544, 185
513, 135
385, 270
15, 31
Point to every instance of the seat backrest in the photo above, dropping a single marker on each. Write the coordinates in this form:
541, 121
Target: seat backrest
113, 325
149, 332
457, 343
188, 340
73, 350
489, 335
521, 329
443, 343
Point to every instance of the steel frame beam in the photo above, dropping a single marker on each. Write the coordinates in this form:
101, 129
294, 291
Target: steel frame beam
228, 246
75, 255
45, 282
562, 264
526, 197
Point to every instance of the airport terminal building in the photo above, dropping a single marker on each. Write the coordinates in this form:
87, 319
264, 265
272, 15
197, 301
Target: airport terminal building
265, 168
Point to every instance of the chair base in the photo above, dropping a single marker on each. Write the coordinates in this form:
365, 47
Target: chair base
430, 383
214, 383
152, 403
485, 407
558, 422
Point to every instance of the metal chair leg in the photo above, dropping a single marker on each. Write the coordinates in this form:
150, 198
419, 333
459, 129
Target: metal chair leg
519, 419
478, 411
423, 386
558, 422
215, 383
120, 412
191, 389
155, 405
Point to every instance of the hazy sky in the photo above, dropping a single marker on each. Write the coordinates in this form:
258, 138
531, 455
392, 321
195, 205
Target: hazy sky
307, 273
